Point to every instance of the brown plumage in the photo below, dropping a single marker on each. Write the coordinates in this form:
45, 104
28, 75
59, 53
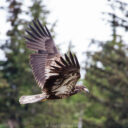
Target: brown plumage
56, 75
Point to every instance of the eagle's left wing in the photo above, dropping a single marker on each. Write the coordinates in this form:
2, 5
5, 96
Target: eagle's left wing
40, 41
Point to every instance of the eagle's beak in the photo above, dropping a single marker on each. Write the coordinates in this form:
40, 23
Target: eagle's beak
82, 88
85, 90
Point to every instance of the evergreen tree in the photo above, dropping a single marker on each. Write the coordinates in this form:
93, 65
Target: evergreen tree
106, 77
119, 14
16, 77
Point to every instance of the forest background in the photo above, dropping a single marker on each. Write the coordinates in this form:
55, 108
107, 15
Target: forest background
104, 71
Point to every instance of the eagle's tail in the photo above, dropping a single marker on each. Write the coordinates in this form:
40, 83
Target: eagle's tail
32, 98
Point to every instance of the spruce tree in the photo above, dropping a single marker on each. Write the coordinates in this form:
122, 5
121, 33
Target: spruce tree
16, 77
107, 79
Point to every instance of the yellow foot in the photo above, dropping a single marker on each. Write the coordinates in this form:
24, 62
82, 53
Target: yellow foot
43, 100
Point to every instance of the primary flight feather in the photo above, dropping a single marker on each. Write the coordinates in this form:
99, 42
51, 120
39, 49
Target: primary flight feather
56, 75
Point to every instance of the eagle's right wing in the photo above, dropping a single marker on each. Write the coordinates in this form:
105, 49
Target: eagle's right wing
40, 41
66, 73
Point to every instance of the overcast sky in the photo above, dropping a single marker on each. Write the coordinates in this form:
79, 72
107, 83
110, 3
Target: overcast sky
77, 21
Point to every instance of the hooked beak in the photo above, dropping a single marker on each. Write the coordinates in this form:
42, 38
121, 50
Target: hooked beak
85, 90
82, 88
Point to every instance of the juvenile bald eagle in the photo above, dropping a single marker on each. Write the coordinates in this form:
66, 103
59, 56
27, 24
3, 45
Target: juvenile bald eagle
56, 75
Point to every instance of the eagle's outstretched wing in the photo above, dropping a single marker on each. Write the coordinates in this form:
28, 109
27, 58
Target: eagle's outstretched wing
67, 73
40, 41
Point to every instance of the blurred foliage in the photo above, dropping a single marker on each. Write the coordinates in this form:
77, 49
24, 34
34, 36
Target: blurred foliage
119, 12
105, 106
107, 77
16, 77
107, 80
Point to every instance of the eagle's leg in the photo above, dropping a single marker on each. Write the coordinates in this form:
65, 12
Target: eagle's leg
74, 92
44, 100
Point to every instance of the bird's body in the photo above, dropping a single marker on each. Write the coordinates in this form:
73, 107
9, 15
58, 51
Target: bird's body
56, 75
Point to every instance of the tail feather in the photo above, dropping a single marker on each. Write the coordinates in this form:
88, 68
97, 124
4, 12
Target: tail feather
32, 98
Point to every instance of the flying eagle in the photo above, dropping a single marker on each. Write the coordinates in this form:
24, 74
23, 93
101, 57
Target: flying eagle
56, 75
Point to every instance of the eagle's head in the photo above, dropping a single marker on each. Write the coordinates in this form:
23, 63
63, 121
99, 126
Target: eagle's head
81, 88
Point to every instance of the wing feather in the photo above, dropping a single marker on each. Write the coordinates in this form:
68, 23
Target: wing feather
72, 59
76, 60
41, 37
42, 28
68, 60
67, 73
59, 64
48, 31
40, 40
63, 61
37, 62
38, 28
32, 35
34, 31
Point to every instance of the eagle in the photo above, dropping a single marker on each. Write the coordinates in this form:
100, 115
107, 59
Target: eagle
55, 74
